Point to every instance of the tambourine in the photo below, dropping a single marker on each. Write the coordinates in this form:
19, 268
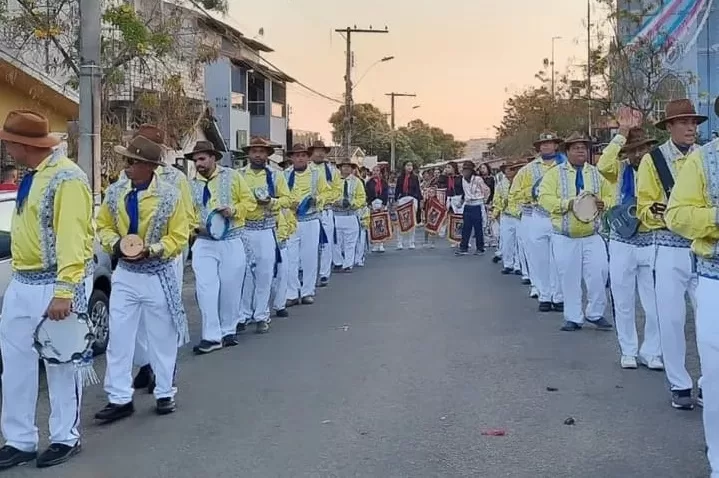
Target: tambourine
132, 245
64, 341
585, 208
217, 225
261, 194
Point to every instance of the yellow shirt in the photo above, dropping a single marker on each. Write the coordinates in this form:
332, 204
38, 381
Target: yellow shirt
286, 225
692, 213
649, 188
227, 189
558, 189
257, 178
355, 192
520, 192
335, 183
501, 203
164, 224
67, 215
174, 177
309, 183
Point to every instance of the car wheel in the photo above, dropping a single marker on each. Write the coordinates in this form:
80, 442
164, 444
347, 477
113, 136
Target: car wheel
99, 309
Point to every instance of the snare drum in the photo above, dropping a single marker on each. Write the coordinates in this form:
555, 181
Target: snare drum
585, 208
132, 245
64, 341
217, 225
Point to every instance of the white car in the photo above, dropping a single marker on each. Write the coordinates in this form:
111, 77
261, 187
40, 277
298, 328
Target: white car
99, 307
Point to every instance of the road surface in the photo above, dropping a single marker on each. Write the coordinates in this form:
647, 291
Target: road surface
396, 371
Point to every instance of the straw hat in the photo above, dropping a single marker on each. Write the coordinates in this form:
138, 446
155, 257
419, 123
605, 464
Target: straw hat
142, 149
259, 142
548, 137
677, 109
28, 128
203, 147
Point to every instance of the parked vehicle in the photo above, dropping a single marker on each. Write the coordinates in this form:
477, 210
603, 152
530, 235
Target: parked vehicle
99, 307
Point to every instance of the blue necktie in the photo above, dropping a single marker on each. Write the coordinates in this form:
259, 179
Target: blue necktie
23, 191
328, 173
627, 191
206, 195
132, 206
346, 193
270, 184
579, 181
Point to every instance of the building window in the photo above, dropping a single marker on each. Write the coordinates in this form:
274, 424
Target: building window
279, 100
238, 101
241, 138
278, 110
256, 95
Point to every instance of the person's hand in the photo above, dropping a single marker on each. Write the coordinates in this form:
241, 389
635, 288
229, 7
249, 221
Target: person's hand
264, 202
226, 212
628, 118
600, 205
59, 308
312, 201
570, 205
658, 209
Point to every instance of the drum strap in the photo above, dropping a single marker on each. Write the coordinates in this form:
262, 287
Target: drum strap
665, 175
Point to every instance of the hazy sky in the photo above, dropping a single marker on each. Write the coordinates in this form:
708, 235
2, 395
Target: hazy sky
461, 57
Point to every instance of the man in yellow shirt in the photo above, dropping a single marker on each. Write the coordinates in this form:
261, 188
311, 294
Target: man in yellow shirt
221, 198
145, 290
345, 209
631, 257
286, 226
145, 377
362, 214
535, 226
578, 249
674, 274
52, 249
318, 154
508, 215
270, 194
309, 192
692, 212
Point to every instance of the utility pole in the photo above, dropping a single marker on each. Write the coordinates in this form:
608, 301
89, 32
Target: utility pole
347, 141
89, 146
393, 139
589, 68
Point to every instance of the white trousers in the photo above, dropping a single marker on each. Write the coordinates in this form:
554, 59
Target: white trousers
674, 279
361, 246
258, 285
303, 249
348, 230
22, 310
138, 302
508, 232
582, 259
522, 233
219, 268
408, 237
327, 250
707, 327
542, 264
631, 268
142, 356
279, 284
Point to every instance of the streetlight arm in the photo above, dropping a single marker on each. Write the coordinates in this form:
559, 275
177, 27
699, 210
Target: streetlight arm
381, 60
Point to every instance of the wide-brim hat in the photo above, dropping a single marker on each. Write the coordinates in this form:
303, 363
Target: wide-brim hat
203, 147
548, 137
28, 128
344, 161
318, 145
297, 149
637, 138
577, 137
151, 132
142, 149
678, 109
258, 142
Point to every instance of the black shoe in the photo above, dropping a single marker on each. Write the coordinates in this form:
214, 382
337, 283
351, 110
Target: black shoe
506, 271
262, 327
517, 272
545, 306
479, 252
324, 281
206, 347
570, 326
308, 300
240, 328
496, 259
229, 340
460, 252
151, 385
347, 270
337, 268
558, 306
294, 302
143, 377
682, 399
601, 324
526, 282
113, 412
56, 454
11, 457
282, 313
165, 406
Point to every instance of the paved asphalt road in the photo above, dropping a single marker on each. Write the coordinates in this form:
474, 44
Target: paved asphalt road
395, 372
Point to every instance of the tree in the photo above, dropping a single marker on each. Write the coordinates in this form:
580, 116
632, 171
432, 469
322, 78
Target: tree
370, 129
155, 43
430, 144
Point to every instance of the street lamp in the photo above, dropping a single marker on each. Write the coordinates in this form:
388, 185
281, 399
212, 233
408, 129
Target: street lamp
381, 60
552, 64
416, 106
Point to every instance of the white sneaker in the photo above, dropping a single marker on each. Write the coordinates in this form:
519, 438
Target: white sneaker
534, 293
652, 363
380, 248
412, 246
627, 361
400, 247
